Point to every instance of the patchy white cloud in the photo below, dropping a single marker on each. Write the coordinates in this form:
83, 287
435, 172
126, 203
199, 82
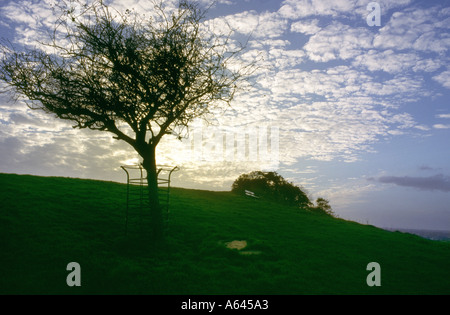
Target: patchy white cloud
443, 78
422, 127
400, 89
394, 62
295, 9
306, 27
69, 152
441, 126
338, 41
215, 2
338, 83
30, 20
266, 25
351, 116
418, 29
270, 25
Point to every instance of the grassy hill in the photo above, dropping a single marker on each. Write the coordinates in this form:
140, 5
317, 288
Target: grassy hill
47, 222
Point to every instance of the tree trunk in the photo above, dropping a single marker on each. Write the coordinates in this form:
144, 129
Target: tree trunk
156, 220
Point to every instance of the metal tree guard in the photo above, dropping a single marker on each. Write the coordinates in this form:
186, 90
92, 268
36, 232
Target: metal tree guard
137, 194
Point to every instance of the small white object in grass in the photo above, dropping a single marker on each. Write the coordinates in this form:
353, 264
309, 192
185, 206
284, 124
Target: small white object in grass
236, 244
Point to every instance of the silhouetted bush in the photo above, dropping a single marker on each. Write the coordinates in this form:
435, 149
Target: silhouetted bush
323, 206
271, 186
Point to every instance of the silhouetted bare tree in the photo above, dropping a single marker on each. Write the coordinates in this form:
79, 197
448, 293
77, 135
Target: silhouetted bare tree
134, 76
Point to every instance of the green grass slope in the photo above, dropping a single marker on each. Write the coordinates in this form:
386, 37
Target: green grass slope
47, 222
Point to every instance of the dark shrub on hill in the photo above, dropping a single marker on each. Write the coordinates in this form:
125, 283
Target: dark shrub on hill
323, 207
271, 186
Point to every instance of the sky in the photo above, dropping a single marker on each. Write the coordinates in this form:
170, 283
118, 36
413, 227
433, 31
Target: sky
350, 101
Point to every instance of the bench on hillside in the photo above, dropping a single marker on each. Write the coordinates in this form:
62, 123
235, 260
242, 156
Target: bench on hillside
250, 194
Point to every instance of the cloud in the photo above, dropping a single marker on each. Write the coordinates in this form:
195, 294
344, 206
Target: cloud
414, 28
443, 78
337, 112
394, 62
394, 48
264, 25
403, 86
338, 41
437, 182
422, 127
425, 168
31, 20
441, 126
215, 2
397, 48
306, 27
295, 9
74, 153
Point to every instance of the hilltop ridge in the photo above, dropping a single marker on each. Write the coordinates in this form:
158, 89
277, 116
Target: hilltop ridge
47, 222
